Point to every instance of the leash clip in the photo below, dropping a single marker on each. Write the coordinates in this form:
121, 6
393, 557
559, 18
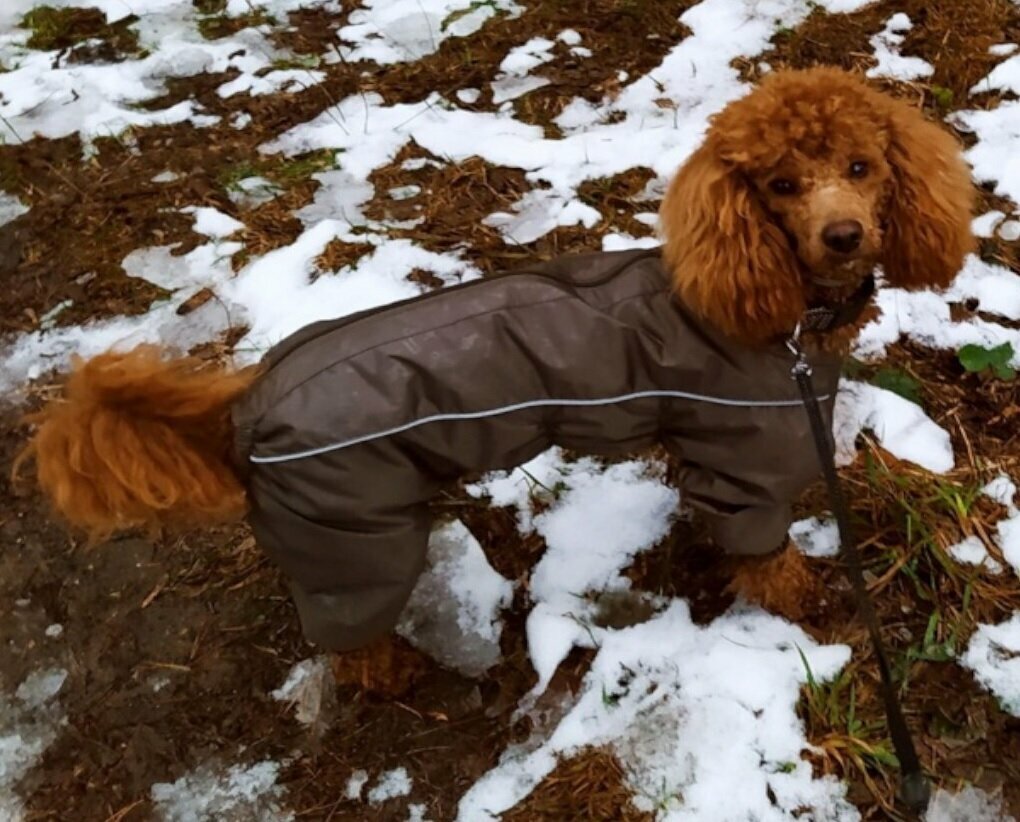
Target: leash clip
801, 366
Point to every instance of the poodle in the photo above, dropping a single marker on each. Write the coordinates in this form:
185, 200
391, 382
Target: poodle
798, 192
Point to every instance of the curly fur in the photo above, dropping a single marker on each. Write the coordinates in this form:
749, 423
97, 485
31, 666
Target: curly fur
743, 257
139, 441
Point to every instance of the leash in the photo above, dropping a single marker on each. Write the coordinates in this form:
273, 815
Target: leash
915, 788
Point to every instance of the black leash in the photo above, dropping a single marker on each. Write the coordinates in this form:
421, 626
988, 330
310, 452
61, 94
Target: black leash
915, 788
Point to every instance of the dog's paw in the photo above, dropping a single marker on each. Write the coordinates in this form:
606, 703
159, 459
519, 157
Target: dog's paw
389, 667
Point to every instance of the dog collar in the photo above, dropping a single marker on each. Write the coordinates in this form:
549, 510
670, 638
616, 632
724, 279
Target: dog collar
830, 317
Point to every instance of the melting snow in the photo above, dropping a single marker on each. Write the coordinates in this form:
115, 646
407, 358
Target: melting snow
210, 795
454, 611
969, 805
29, 723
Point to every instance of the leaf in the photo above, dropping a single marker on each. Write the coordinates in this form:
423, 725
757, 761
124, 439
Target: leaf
974, 358
899, 382
943, 96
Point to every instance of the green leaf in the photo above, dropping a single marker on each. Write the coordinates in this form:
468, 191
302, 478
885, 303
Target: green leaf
974, 358
943, 96
899, 382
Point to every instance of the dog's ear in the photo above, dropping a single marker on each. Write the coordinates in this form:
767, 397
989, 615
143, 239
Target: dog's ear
731, 264
929, 218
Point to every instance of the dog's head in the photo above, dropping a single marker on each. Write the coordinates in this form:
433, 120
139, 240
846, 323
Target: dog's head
800, 189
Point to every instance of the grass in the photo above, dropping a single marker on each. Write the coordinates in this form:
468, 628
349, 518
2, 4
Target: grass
214, 25
54, 29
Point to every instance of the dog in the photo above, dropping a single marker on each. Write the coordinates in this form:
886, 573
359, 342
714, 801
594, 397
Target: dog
333, 446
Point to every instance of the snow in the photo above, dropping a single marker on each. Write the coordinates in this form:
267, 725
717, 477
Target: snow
816, 537
390, 785
30, 721
397, 31
210, 794
454, 611
213, 223
1007, 534
309, 687
10, 208
985, 225
676, 704
891, 63
54, 631
972, 551
250, 192
993, 655
355, 784
968, 805
900, 426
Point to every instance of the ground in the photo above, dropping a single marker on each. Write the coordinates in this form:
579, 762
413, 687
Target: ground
342, 155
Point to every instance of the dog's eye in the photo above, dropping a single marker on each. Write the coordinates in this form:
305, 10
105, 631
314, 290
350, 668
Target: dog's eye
781, 185
858, 169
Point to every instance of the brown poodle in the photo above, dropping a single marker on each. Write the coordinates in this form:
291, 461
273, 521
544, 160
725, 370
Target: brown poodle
799, 190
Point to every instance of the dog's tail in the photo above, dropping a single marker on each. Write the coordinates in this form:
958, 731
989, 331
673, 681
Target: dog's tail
139, 440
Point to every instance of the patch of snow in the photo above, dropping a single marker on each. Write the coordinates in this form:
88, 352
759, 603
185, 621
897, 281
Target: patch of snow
29, 723
993, 655
166, 177
698, 734
522, 59
469, 96
969, 805
993, 156
54, 631
390, 785
900, 426
1003, 49
416, 813
399, 31
210, 794
404, 192
984, 226
212, 222
1010, 231
10, 208
251, 192
816, 537
309, 688
619, 241
46, 94
1007, 535
454, 611
891, 63
356, 784
972, 551
924, 316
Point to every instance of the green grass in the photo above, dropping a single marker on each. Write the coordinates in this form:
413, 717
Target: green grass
53, 29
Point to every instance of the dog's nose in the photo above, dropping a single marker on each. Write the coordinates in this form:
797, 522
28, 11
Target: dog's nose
843, 236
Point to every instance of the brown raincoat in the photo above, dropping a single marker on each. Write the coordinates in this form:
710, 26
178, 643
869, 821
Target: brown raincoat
357, 422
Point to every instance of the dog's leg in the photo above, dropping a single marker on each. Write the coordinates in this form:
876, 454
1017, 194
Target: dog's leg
780, 582
387, 667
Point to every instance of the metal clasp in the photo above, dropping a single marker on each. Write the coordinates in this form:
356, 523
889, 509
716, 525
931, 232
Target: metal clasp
801, 366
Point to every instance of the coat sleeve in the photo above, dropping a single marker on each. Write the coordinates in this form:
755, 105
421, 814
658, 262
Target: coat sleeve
353, 563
